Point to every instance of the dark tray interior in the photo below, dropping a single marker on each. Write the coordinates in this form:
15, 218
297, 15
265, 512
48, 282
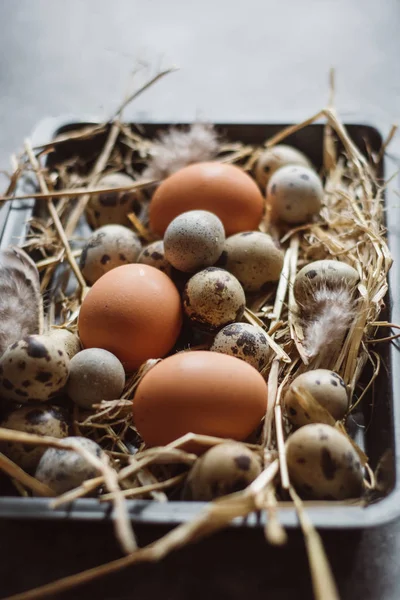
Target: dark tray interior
375, 427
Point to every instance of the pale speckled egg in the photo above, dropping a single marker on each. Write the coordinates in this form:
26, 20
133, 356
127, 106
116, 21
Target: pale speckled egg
225, 190
64, 470
326, 387
109, 247
253, 258
134, 312
213, 298
275, 158
154, 256
194, 240
67, 340
294, 194
36, 419
224, 469
114, 207
95, 375
245, 341
333, 274
201, 392
33, 369
323, 463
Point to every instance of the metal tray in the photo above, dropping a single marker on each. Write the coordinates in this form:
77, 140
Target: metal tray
376, 435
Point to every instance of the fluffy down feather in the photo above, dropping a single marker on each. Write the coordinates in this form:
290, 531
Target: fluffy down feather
325, 325
177, 148
20, 297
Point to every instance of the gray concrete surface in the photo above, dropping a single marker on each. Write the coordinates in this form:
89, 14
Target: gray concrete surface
240, 61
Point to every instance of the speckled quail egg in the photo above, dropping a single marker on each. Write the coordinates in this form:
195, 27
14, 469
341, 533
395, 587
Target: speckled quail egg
213, 298
275, 158
294, 194
33, 369
326, 387
95, 374
333, 274
64, 470
154, 256
109, 247
194, 240
245, 341
323, 463
113, 207
40, 420
67, 340
252, 257
224, 469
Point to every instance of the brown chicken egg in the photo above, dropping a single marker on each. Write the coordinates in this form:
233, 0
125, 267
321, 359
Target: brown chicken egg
222, 189
134, 312
201, 392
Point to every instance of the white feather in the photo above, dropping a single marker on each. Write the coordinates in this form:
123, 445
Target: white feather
20, 297
326, 324
177, 148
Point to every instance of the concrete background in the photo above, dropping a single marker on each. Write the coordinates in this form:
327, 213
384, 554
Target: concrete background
240, 61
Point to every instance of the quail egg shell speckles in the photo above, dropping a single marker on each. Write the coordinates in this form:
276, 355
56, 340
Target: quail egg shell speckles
33, 369
95, 375
213, 298
154, 256
323, 463
252, 257
109, 247
64, 470
331, 273
224, 469
275, 158
194, 240
294, 194
39, 420
245, 341
67, 341
326, 387
113, 207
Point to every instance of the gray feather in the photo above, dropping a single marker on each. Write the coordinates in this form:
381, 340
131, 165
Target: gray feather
326, 325
20, 297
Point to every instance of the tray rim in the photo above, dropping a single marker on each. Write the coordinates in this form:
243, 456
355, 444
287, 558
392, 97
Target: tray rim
149, 512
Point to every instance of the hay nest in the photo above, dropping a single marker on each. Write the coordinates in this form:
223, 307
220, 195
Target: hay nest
350, 227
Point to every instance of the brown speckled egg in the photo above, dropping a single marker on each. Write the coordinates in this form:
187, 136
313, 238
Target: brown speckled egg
225, 190
323, 464
67, 340
326, 387
33, 369
294, 194
113, 207
109, 247
245, 341
134, 312
224, 469
253, 258
95, 375
39, 420
275, 158
154, 256
194, 240
213, 298
64, 470
200, 392
331, 273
